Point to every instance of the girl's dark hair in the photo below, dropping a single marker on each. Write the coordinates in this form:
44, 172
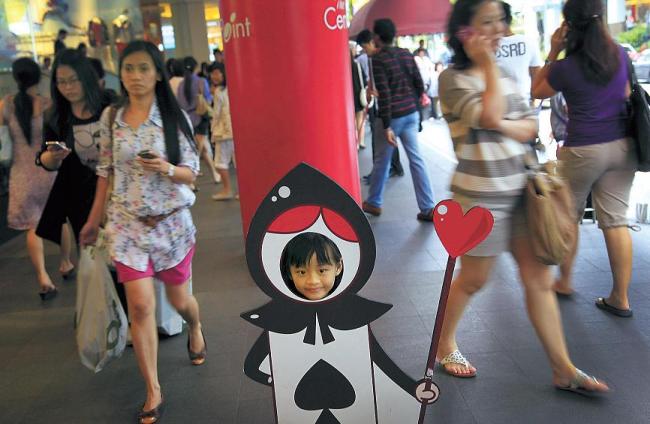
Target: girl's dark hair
460, 16
221, 67
589, 41
174, 68
171, 114
301, 248
61, 110
169, 67
189, 63
27, 74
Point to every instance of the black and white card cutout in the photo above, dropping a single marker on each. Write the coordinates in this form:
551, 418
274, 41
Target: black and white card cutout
320, 356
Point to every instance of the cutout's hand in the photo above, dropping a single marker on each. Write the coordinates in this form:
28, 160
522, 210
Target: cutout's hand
426, 396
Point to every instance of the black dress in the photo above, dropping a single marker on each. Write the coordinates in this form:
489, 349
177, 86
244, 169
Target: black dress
73, 191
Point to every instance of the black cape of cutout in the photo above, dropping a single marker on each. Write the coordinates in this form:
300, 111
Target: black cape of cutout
287, 317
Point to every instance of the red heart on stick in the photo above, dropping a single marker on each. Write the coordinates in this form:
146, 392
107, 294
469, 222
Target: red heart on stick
461, 233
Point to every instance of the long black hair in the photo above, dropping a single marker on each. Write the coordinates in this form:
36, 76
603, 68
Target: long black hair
301, 248
27, 74
589, 41
171, 114
189, 63
61, 112
461, 16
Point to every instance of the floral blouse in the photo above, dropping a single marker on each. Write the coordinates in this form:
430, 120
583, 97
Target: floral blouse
139, 193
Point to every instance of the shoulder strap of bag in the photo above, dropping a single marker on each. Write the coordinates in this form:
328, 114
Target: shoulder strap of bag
112, 113
358, 66
631, 75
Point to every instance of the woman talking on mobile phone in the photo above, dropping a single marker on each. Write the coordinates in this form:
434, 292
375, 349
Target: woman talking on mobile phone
490, 124
149, 151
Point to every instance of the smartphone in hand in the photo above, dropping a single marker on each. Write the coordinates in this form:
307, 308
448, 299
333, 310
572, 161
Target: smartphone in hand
146, 154
464, 33
57, 145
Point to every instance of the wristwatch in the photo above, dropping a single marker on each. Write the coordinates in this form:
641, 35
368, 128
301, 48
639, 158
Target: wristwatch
170, 170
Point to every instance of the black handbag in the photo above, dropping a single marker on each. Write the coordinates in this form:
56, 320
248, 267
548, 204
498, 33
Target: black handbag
639, 119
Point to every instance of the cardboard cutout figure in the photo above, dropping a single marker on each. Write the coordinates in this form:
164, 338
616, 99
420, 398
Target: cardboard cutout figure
320, 356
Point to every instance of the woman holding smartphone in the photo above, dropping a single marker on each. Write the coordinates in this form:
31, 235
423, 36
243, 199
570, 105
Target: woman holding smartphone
70, 144
152, 158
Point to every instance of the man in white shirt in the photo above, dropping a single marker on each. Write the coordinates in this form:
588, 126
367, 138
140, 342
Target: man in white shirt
519, 55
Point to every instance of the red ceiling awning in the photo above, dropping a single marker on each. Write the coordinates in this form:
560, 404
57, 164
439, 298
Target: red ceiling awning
411, 17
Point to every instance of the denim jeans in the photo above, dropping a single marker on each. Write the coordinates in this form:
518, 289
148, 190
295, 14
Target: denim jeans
406, 128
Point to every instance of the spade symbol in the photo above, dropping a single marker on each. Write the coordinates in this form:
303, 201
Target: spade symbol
323, 387
326, 417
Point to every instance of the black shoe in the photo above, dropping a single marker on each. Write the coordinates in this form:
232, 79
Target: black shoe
394, 173
427, 217
48, 294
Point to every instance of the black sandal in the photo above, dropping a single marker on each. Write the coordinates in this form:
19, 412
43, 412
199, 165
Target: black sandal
153, 415
69, 274
197, 358
48, 294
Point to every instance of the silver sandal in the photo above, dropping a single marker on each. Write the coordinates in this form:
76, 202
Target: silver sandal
577, 384
456, 357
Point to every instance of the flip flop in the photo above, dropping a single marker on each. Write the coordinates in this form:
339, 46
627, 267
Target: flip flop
602, 304
577, 385
456, 357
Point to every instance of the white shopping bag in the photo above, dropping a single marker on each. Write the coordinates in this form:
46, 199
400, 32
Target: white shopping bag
100, 321
169, 322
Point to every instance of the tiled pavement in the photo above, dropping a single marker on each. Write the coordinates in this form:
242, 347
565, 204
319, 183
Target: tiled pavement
42, 380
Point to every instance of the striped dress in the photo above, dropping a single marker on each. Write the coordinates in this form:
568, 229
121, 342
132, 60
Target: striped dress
491, 171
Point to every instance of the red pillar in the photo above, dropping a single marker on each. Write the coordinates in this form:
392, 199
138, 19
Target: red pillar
289, 82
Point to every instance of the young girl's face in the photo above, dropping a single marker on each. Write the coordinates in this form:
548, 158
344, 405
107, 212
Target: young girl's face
69, 85
314, 280
139, 74
217, 77
490, 22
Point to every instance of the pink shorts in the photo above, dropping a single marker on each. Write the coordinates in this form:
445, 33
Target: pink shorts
174, 276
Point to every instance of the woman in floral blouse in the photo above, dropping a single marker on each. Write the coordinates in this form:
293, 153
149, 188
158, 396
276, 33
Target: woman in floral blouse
148, 149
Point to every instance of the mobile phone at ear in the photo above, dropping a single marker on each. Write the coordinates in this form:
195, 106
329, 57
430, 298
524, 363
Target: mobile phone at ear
146, 154
57, 145
464, 33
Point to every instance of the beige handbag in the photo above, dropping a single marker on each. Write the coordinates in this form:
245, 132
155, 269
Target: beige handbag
202, 106
550, 214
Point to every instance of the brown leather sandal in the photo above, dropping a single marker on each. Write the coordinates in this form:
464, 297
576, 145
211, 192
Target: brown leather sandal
153, 415
197, 358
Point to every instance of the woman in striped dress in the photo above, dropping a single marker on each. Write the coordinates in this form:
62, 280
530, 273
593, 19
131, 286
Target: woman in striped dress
490, 125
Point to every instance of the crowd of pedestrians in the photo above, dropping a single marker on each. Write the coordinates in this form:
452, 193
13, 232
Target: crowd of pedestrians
90, 156
485, 97
87, 156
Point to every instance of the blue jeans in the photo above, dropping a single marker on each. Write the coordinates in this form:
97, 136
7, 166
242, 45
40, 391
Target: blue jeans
406, 128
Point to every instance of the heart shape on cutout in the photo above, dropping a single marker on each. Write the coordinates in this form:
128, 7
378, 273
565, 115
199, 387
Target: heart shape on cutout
461, 233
